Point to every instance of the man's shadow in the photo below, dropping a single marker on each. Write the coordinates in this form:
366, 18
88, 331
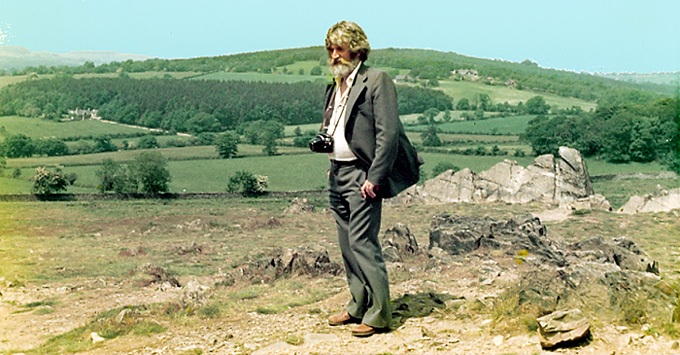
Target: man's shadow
418, 305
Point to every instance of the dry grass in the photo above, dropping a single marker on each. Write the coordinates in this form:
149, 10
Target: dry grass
73, 243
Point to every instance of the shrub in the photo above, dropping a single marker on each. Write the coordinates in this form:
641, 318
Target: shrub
49, 181
248, 184
147, 142
442, 167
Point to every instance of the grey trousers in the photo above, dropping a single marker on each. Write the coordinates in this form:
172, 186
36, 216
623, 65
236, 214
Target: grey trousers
358, 223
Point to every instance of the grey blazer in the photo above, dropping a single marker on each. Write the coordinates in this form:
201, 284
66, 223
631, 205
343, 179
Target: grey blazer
375, 133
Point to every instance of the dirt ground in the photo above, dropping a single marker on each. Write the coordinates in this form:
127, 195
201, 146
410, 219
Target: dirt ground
443, 331
456, 327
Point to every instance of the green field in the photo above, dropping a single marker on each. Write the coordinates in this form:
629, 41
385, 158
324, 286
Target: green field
38, 128
511, 125
501, 94
197, 169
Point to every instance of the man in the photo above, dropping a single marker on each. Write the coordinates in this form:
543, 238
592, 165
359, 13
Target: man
371, 159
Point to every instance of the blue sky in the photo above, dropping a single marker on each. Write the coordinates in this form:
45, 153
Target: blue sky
579, 35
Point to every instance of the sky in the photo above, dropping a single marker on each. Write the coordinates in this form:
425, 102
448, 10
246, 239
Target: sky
576, 35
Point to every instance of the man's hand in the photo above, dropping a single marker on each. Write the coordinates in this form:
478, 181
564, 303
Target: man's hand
368, 189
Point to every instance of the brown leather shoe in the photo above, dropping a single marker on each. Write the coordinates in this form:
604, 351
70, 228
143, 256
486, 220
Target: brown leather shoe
342, 318
363, 330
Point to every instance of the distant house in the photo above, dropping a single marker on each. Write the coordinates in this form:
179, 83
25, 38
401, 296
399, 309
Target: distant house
400, 79
86, 114
511, 82
466, 74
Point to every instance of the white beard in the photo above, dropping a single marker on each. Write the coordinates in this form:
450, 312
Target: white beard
341, 67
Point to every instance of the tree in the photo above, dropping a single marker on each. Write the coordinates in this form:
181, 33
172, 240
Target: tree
104, 144
642, 144
536, 106
114, 176
152, 173
616, 137
430, 137
49, 181
316, 70
269, 144
17, 146
255, 131
203, 122
447, 116
463, 104
51, 147
227, 144
484, 102
430, 114
147, 142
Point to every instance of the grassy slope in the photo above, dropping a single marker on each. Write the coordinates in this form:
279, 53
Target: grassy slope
501, 94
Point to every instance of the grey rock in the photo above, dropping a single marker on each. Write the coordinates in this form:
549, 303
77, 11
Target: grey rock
399, 243
659, 201
299, 206
547, 180
461, 234
303, 260
620, 251
563, 328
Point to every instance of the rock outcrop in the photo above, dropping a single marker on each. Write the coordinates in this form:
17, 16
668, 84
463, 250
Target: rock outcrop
552, 180
303, 260
399, 243
596, 274
659, 201
298, 206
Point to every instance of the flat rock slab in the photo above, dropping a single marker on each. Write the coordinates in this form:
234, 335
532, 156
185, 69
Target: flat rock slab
563, 329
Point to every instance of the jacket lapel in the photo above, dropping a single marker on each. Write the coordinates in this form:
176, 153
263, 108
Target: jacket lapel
357, 88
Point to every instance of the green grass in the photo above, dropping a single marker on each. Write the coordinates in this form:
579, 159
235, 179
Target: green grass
197, 169
511, 125
15, 186
39, 128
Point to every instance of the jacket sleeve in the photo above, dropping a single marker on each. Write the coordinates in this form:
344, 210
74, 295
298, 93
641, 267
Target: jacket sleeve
386, 116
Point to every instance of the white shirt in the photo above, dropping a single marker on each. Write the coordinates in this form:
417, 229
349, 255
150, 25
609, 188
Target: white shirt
336, 127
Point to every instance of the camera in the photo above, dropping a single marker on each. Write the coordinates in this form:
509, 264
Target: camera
321, 143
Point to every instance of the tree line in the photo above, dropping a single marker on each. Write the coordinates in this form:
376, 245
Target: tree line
620, 132
422, 64
193, 106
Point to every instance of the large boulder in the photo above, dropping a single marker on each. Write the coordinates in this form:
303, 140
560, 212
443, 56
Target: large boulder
659, 201
548, 179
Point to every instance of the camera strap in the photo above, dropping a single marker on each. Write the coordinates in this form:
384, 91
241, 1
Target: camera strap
329, 109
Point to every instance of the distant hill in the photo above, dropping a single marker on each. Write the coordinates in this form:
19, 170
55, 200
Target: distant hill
17, 58
663, 78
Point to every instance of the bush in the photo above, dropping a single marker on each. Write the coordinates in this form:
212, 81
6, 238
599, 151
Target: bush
442, 167
147, 142
49, 181
248, 184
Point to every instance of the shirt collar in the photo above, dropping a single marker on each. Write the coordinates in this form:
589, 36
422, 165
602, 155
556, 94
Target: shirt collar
350, 78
